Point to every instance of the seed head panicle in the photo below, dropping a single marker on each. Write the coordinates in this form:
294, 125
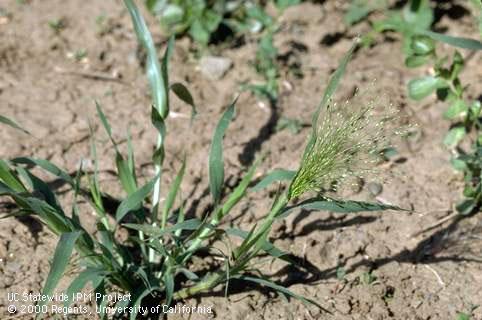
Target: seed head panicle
348, 142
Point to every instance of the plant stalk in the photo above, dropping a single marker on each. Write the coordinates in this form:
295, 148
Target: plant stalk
219, 277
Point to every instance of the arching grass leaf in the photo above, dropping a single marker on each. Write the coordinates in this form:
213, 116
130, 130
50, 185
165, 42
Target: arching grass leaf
134, 200
62, 254
12, 124
339, 206
216, 162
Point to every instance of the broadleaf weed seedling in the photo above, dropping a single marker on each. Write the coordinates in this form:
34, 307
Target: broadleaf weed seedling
156, 259
466, 116
413, 22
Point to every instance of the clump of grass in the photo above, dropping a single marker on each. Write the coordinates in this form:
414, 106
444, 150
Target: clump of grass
156, 259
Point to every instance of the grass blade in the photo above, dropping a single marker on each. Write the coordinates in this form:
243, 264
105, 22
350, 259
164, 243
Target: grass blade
137, 299
130, 155
62, 254
183, 93
153, 68
325, 204
8, 177
280, 289
47, 166
135, 199
88, 275
169, 285
464, 43
216, 162
191, 224
126, 175
239, 192
13, 124
171, 196
105, 123
165, 74
267, 246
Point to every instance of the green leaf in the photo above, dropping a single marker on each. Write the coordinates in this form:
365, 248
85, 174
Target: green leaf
170, 14
238, 193
459, 42
169, 285
130, 154
171, 196
38, 185
463, 316
191, 224
137, 299
199, 33
88, 275
339, 206
266, 246
466, 207
135, 199
12, 124
274, 176
419, 16
416, 61
454, 136
153, 68
211, 20
280, 289
165, 75
189, 274
62, 254
105, 123
126, 175
183, 93
357, 11
458, 164
422, 87
216, 165
47, 166
9, 177
457, 108
422, 45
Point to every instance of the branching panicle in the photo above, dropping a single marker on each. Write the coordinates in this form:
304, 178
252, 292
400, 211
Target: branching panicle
348, 141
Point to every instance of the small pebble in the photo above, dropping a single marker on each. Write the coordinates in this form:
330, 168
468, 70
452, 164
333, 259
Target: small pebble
213, 67
374, 188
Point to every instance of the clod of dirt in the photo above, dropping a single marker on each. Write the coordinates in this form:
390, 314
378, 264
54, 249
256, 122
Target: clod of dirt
213, 67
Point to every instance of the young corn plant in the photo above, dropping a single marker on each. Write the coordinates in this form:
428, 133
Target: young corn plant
155, 261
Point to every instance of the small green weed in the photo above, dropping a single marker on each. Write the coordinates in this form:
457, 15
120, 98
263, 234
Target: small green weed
57, 25
466, 116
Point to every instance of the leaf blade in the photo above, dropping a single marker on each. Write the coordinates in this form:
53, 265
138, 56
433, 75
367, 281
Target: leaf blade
61, 259
216, 165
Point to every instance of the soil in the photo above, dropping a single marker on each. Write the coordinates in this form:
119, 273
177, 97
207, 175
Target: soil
49, 81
